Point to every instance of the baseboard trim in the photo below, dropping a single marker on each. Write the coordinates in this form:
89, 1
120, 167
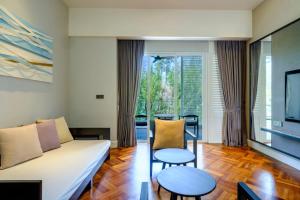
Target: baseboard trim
114, 143
289, 160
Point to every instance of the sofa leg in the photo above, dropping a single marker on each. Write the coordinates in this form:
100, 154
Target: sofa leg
108, 157
89, 185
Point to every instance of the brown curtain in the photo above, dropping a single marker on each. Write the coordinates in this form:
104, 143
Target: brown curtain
255, 49
232, 64
130, 58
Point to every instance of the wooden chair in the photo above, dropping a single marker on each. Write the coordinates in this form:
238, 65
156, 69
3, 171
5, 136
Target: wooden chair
191, 120
152, 138
245, 193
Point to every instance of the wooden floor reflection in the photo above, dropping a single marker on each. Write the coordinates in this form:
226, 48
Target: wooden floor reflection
121, 176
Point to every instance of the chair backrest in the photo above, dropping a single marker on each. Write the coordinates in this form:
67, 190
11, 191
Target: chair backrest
245, 193
152, 128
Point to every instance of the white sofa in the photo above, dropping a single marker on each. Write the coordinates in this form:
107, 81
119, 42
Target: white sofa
65, 171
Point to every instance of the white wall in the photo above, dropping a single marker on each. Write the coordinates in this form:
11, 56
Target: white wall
273, 14
173, 47
24, 101
268, 17
149, 23
93, 70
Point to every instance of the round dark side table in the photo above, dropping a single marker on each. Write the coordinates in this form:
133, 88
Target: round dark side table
186, 182
174, 156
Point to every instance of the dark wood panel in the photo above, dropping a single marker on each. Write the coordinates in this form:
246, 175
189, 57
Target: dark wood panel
98, 133
21, 189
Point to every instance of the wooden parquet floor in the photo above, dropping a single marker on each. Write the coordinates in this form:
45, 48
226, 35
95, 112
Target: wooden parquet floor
120, 177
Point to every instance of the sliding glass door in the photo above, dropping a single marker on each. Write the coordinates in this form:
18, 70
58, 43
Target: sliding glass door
171, 85
191, 87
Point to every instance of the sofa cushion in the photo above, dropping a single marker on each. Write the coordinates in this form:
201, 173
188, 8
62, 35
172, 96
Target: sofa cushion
48, 135
62, 128
18, 145
169, 134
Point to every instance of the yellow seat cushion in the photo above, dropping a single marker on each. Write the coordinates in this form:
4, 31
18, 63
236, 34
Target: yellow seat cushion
169, 134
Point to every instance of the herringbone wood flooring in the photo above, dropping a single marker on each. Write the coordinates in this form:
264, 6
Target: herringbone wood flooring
121, 176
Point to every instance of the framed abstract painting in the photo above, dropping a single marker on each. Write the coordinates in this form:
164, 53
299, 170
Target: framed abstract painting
25, 52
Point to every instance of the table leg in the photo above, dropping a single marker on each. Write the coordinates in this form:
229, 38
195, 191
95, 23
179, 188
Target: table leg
173, 196
158, 190
164, 165
197, 198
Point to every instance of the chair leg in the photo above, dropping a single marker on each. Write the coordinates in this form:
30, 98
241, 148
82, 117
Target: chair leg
151, 166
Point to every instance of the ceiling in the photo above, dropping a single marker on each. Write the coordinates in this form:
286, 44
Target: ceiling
167, 4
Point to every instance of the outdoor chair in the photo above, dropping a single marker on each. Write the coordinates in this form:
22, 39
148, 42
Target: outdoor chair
141, 120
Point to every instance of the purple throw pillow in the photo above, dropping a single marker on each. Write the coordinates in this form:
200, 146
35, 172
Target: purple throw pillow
48, 135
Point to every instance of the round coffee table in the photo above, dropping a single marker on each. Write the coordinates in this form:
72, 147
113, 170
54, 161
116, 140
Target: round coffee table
174, 156
186, 181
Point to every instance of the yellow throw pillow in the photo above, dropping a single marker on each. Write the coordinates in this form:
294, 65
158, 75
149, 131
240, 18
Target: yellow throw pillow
62, 128
169, 134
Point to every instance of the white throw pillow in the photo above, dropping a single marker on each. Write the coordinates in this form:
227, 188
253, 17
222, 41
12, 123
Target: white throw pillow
18, 145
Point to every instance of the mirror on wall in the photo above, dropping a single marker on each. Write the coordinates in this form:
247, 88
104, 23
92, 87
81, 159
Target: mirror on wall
275, 90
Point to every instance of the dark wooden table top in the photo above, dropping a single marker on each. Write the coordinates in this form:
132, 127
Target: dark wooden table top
174, 156
186, 181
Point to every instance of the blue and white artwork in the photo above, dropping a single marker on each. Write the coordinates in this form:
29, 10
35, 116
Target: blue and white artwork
25, 52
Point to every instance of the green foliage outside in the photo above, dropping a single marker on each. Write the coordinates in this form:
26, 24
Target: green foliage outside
166, 83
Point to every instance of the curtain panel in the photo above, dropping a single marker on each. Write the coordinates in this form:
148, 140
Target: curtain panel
232, 65
130, 59
255, 50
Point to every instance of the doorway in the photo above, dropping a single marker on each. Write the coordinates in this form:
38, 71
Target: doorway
170, 85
